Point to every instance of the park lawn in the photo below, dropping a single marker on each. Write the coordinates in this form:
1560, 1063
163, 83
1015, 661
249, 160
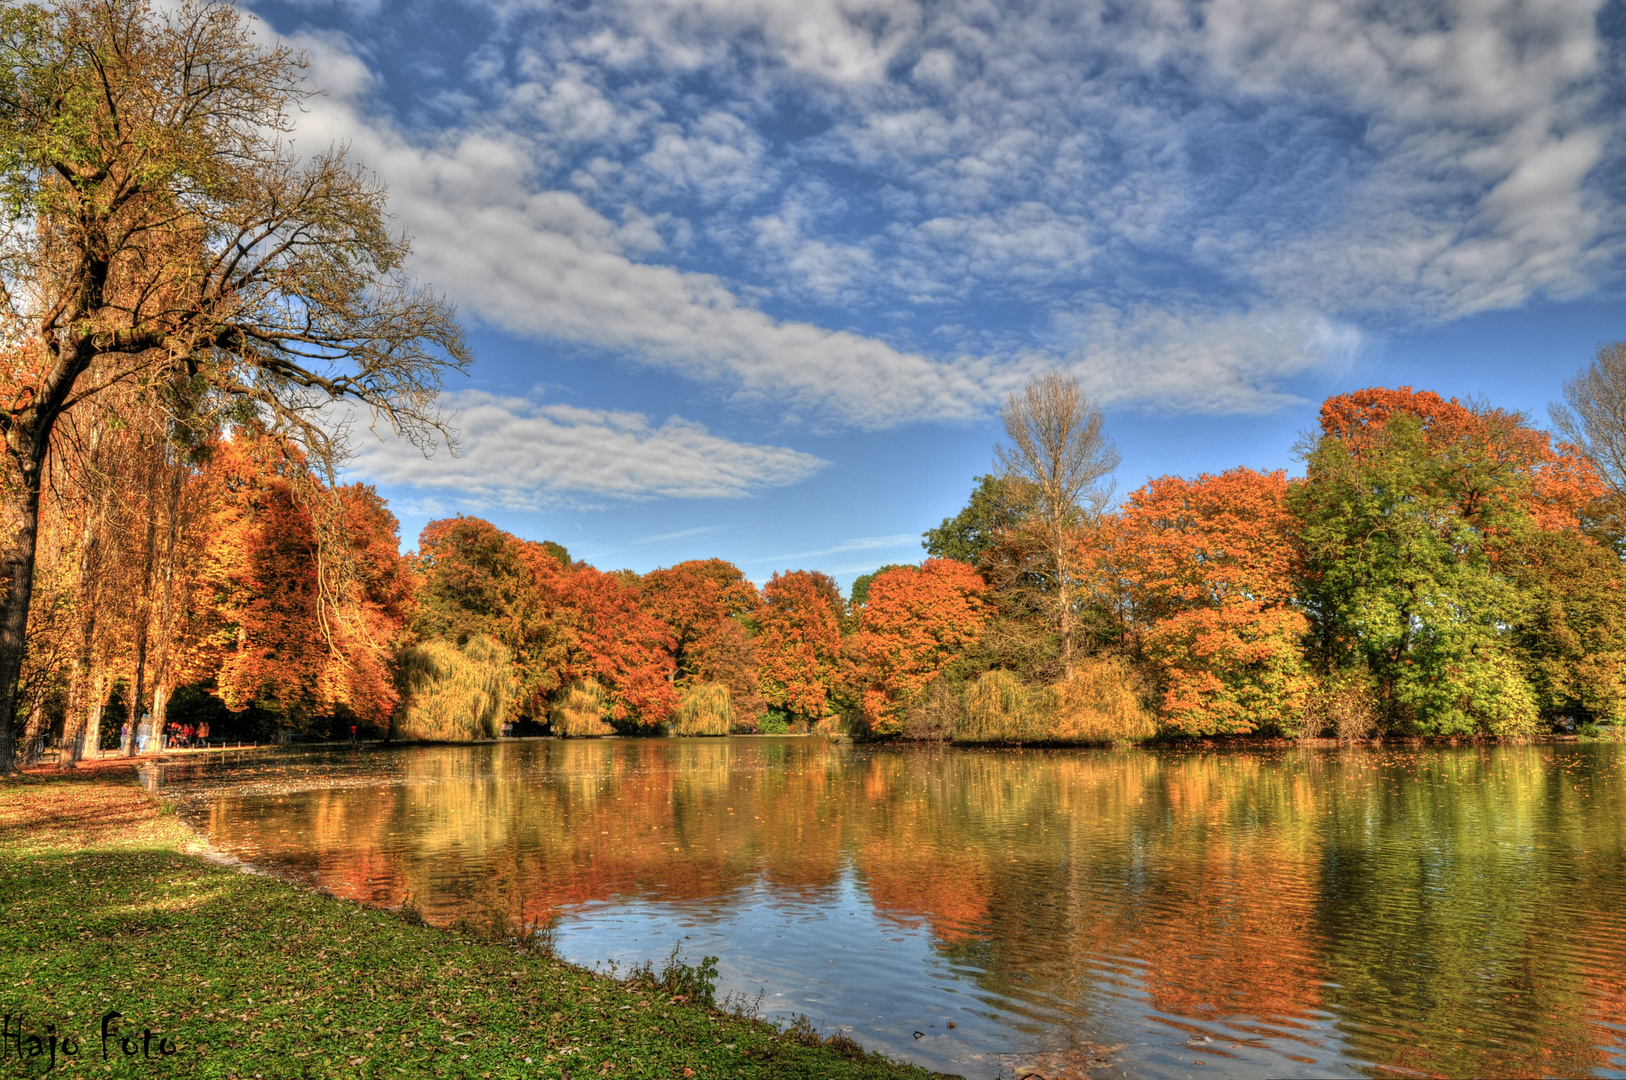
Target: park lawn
105, 906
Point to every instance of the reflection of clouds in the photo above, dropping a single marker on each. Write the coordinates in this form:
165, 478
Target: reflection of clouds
1255, 897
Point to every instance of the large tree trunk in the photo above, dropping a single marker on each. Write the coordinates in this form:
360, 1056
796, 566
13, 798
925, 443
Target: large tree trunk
19, 525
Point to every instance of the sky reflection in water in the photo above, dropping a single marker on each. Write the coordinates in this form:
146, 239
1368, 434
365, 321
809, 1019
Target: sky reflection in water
1448, 911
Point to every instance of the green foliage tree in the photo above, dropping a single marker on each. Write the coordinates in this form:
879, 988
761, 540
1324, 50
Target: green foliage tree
968, 534
1401, 539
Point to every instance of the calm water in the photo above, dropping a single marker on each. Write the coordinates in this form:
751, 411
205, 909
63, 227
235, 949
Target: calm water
1297, 912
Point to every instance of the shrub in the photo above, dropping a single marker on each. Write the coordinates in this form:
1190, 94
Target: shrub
581, 712
774, 722
1098, 704
703, 710
1000, 708
453, 694
1343, 705
936, 712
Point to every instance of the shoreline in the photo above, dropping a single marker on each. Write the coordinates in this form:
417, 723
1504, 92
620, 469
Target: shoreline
109, 903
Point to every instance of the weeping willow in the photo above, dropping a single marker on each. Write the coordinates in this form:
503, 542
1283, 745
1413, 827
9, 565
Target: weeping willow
453, 694
1096, 704
581, 711
703, 710
1000, 708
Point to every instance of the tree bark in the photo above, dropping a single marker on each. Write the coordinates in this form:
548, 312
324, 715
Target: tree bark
33, 742
20, 519
92, 741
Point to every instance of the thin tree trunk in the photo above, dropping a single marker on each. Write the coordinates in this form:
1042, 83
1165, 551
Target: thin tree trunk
160, 705
138, 684
33, 742
74, 724
93, 715
73, 721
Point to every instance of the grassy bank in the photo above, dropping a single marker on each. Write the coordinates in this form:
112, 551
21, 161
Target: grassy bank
105, 906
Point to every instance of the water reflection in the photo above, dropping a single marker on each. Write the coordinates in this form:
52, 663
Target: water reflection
1418, 912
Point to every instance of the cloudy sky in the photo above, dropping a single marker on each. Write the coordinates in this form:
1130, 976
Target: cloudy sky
750, 278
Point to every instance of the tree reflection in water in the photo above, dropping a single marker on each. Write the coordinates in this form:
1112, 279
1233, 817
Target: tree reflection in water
1444, 910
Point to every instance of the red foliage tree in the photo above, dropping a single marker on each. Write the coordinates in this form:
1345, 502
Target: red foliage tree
799, 644
1213, 566
913, 623
702, 602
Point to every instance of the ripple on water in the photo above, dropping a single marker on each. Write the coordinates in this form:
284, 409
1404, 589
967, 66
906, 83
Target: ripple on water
1452, 911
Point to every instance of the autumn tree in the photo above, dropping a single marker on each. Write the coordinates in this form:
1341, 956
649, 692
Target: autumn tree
703, 602
606, 638
1054, 468
162, 232
561, 622
1595, 419
296, 627
1414, 513
1213, 568
799, 641
913, 623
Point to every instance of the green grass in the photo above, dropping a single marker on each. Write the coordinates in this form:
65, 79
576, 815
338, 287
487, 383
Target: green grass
103, 907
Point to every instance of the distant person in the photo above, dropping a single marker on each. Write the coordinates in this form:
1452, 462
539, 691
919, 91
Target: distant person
143, 733
353, 733
203, 733
124, 738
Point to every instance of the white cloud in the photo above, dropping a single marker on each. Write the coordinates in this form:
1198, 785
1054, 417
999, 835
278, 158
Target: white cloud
545, 263
862, 543
1200, 361
1298, 166
520, 454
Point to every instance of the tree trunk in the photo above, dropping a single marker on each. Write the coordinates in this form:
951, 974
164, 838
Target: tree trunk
33, 742
75, 724
73, 721
160, 704
138, 691
19, 524
93, 715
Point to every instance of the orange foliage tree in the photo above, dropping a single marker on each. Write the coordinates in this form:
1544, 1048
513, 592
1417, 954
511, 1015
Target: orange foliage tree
293, 624
702, 602
799, 643
606, 637
1213, 570
914, 621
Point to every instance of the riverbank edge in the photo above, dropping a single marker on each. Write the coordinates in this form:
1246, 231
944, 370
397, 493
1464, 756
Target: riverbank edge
109, 903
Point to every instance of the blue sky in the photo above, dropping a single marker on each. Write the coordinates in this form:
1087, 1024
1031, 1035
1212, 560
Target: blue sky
749, 278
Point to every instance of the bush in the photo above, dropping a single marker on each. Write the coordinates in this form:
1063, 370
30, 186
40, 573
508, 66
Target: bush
774, 722
1098, 704
703, 710
453, 694
582, 712
1343, 705
1000, 708
936, 713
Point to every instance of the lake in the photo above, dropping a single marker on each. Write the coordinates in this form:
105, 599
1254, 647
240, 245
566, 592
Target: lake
1294, 912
